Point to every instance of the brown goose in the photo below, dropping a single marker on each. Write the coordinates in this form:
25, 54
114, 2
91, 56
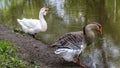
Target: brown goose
70, 45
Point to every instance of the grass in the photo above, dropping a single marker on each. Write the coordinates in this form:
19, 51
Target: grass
9, 58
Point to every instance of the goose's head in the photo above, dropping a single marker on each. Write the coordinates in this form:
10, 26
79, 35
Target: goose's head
44, 11
99, 29
93, 26
88, 31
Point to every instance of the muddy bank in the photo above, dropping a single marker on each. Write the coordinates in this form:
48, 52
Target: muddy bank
34, 51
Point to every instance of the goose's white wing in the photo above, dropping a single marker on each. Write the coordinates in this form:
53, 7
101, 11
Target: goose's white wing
29, 23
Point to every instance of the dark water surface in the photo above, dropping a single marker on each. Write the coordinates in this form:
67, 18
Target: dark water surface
71, 15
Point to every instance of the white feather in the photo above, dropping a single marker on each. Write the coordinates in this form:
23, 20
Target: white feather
68, 54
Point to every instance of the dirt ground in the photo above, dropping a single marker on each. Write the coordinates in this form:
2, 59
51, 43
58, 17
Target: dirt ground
34, 51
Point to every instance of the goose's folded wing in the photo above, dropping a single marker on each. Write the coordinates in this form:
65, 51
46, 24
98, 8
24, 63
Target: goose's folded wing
29, 23
70, 40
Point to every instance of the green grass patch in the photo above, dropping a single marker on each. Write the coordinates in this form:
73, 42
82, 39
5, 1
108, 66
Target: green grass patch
9, 58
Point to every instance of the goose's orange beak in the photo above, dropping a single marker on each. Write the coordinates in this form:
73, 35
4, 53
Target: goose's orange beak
100, 31
46, 9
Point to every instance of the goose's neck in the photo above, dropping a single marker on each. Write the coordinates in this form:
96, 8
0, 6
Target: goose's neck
42, 22
89, 35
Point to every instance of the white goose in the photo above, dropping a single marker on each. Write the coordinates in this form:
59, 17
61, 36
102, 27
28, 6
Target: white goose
70, 45
34, 26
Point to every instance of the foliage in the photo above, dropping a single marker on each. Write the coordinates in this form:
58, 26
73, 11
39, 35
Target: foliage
9, 58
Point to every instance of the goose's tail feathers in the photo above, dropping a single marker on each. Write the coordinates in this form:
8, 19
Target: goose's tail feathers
18, 20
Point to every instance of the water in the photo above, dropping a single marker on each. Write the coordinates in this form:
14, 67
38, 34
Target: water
71, 15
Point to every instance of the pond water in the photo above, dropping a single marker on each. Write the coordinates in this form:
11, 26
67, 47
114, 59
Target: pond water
71, 15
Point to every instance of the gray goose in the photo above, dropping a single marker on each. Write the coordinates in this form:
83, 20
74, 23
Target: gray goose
70, 45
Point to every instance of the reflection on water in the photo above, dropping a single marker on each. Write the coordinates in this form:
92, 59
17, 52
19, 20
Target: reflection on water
112, 52
71, 15
111, 49
59, 6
